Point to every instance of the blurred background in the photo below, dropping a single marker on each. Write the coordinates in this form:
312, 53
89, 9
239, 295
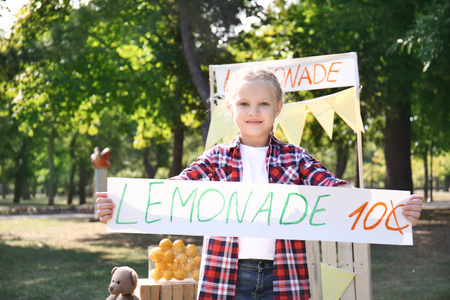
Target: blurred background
132, 75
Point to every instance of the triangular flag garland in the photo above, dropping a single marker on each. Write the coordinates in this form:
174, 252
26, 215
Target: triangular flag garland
292, 117
334, 281
222, 127
292, 121
324, 114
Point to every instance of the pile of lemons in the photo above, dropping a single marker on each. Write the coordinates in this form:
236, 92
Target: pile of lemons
174, 260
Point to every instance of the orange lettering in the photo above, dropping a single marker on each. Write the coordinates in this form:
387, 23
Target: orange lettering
305, 77
334, 71
315, 73
395, 217
226, 79
368, 214
289, 74
359, 210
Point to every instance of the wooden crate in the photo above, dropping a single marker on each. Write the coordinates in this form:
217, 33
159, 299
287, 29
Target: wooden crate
174, 289
353, 257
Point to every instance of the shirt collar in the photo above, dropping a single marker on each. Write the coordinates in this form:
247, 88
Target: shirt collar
235, 142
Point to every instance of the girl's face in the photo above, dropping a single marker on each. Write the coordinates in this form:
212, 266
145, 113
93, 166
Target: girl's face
254, 110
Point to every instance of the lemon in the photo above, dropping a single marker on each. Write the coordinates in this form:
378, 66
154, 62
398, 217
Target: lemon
191, 250
187, 267
168, 274
195, 274
180, 275
196, 262
169, 256
156, 274
156, 254
178, 246
165, 244
174, 266
161, 265
182, 258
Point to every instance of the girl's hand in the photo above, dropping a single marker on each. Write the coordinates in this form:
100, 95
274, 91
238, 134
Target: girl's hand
412, 209
105, 207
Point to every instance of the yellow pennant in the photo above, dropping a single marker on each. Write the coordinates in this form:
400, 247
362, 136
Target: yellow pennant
292, 121
222, 127
334, 282
346, 106
324, 114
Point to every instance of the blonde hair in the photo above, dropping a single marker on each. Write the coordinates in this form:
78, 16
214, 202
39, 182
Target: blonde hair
246, 76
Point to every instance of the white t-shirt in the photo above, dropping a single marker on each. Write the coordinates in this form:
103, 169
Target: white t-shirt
255, 170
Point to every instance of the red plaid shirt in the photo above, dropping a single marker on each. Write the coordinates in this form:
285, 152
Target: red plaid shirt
287, 164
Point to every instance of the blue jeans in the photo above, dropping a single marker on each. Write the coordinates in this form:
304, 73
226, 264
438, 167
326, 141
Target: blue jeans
254, 280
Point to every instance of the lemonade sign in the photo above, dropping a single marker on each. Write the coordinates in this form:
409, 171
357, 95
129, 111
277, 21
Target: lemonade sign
259, 210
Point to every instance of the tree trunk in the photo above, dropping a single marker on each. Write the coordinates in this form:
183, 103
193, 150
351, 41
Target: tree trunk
341, 161
431, 173
17, 188
177, 152
3, 181
199, 79
73, 169
446, 183
397, 148
83, 181
71, 187
26, 190
34, 188
150, 168
20, 172
51, 168
425, 166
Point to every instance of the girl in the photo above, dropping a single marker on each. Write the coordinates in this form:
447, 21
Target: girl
256, 268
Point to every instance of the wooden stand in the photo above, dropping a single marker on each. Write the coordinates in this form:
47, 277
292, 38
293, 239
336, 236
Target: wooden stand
148, 289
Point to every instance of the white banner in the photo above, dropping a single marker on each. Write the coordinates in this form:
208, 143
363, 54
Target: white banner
259, 210
308, 73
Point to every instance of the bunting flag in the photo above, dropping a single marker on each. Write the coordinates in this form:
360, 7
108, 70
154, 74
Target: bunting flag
324, 114
347, 107
292, 117
222, 127
334, 281
292, 121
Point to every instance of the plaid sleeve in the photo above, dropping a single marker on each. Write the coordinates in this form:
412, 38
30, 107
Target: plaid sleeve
314, 173
202, 169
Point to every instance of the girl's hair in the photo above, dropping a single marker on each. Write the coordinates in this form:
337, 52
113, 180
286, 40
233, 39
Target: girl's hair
246, 76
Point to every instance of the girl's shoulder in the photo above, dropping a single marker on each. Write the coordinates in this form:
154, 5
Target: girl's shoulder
223, 147
220, 150
286, 147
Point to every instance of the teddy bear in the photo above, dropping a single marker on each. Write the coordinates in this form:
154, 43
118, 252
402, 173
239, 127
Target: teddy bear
123, 283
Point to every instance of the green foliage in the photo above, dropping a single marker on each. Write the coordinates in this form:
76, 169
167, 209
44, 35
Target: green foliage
114, 74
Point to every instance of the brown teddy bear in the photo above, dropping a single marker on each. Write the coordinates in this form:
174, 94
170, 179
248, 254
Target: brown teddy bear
123, 283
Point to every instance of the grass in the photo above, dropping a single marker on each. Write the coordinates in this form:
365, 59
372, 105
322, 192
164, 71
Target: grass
72, 259
418, 272
66, 259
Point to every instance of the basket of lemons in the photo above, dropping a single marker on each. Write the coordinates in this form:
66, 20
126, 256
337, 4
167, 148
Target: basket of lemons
174, 260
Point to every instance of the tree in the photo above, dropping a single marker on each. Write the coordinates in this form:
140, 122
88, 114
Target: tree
369, 28
428, 39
